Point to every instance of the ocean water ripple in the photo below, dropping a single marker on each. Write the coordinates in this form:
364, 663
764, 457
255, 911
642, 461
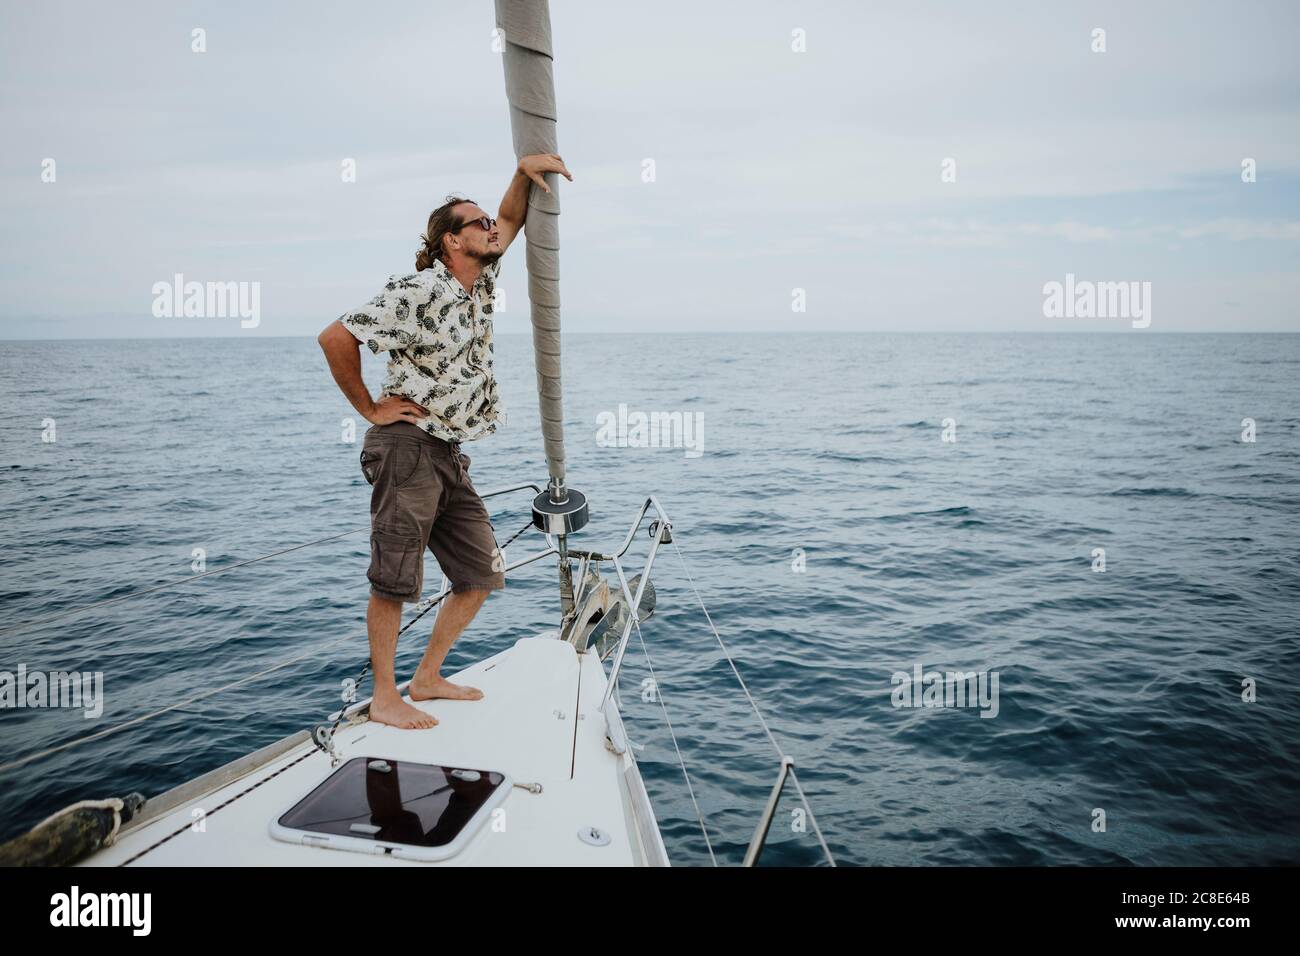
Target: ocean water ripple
836, 537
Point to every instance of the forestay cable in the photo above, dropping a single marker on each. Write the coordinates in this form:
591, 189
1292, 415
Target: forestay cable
681, 761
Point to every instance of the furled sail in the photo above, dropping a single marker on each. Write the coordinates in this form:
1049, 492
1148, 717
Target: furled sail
525, 35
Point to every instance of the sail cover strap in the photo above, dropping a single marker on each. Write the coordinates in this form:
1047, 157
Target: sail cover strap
525, 27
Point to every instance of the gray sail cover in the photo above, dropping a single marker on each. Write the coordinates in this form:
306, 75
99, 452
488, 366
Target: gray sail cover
525, 27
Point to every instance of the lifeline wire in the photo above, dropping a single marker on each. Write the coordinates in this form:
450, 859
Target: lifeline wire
757, 713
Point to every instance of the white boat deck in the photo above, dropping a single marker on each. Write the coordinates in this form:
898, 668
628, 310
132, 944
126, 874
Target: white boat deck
538, 722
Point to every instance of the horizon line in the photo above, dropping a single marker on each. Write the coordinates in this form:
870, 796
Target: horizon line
800, 331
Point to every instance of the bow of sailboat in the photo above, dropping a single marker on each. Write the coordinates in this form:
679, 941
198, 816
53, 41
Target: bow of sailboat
570, 800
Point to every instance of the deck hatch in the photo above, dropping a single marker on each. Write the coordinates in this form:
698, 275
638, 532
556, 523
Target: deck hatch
379, 805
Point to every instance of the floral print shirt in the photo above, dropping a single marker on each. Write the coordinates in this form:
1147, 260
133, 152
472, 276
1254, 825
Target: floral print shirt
439, 343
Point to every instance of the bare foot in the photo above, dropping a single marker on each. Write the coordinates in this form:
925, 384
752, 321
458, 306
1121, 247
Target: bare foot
398, 713
421, 689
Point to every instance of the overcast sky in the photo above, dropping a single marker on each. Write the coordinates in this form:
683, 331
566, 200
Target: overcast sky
775, 170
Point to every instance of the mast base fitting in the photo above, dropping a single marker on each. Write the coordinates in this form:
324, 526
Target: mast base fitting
563, 517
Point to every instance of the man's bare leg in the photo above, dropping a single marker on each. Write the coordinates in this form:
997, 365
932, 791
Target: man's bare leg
382, 619
457, 610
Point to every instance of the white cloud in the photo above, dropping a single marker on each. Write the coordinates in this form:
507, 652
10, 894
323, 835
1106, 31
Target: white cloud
773, 167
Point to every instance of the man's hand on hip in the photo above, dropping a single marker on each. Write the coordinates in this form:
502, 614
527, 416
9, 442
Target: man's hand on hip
395, 408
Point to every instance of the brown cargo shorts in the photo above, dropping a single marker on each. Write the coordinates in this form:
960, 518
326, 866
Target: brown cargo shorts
422, 497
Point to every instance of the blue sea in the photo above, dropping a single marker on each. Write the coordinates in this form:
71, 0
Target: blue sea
1146, 713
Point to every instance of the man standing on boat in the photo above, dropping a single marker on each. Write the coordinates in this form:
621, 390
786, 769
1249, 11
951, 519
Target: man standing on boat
436, 326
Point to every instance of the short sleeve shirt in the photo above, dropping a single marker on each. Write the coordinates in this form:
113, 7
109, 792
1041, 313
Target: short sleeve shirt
440, 351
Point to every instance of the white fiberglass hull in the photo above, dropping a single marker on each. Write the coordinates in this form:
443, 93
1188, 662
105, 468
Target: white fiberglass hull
539, 722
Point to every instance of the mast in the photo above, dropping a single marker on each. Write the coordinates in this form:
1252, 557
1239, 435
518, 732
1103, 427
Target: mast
527, 57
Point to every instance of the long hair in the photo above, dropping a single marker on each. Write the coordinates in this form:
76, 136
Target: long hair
441, 222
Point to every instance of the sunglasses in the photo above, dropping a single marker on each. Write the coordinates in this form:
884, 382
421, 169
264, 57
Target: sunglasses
483, 221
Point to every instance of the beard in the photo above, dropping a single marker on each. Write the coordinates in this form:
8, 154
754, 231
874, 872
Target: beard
488, 257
